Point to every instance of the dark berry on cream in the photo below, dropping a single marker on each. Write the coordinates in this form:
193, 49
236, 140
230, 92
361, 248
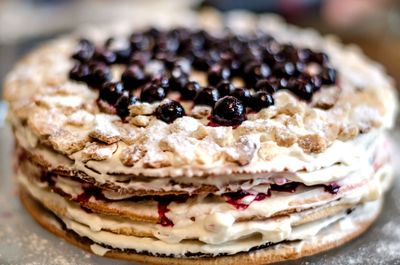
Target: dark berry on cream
80, 72
284, 69
261, 100
123, 103
178, 79
169, 111
85, 51
140, 58
243, 94
228, 111
111, 91
123, 55
190, 90
304, 55
266, 85
225, 88
99, 74
133, 77
217, 73
105, 56
320, 58
152, 92
207, 96
328, 76
160, 62
303, 88
255, 71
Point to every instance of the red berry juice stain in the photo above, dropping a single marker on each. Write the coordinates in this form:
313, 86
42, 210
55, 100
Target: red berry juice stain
332, 188
162, 210
235, 198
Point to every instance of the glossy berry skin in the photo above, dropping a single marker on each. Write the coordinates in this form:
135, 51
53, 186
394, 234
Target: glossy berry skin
190, 90
225, 88
217, 73
304, 55
80, 72
316, 81
110, 92
303, 88
261, 100
290, 53
161, 81
123, 55
229, 111
277, 83
178, 79
328, 76
169, 111
140, 58
122, 104
300, 67
201, 61
158, 61
243, 94
99, 74
133, 77
105, 56
319, 58
85, 51
152, 92
284, 69
139, 42
207, 96
255, 71
167, 59
266, 85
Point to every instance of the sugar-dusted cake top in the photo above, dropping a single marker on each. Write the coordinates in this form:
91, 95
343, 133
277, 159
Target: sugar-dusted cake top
198, 101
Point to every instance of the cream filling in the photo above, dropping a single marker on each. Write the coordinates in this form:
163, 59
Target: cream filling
258, 185
217, 227
352, 153
359, 187
303, 198
304, 232
319, 168
354, 189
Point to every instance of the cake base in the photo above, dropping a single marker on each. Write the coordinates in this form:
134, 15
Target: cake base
330, 238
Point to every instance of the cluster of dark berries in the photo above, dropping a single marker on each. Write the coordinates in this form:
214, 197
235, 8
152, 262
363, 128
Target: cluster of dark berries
229, 103
259, 60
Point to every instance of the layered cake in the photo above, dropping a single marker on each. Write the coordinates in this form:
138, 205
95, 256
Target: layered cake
241, 141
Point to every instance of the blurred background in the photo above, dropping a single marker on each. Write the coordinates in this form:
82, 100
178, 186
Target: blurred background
374, 25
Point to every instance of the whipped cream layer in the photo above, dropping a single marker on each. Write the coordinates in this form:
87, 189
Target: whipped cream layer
217, 234
355, 187
194, 217
308, 231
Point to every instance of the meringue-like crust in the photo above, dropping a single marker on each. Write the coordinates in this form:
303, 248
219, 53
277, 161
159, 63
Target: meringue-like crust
63, 115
